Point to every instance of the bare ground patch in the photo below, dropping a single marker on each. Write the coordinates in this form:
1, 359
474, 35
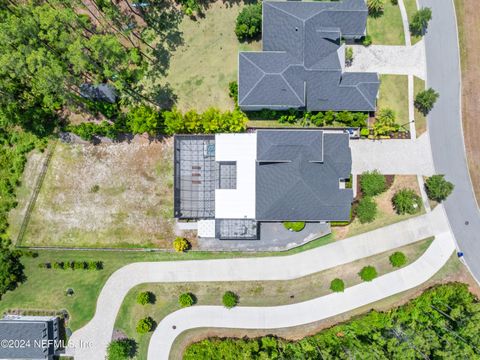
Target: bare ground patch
108, 195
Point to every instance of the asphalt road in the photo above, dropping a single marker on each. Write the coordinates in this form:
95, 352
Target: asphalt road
445, 127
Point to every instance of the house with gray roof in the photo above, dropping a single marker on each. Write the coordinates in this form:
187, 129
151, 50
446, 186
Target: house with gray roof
29, 337
302, 64
231, 183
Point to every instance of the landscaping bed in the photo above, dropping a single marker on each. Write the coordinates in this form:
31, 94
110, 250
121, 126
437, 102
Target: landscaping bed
109, 195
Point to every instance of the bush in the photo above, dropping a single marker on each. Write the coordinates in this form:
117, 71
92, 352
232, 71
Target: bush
337, 285
366, 210
425, 100
186, 300
372, 183
398, 259
230, 299
349, 55
364, 132
233, 91
375, 7
368, 273
294, 225
367, 40
406, 201
144, 119
249, 22
420, 21
79, 265
145, 297
438, 188
181, 244
385, 123
145, 325
121, 349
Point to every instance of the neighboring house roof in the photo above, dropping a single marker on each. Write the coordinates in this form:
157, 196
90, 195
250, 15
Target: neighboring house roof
298, 175
302, 60
99, 92
34, 334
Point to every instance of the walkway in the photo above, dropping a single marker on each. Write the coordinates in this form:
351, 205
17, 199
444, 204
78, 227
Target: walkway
399, 157
99, 330
302, 313
445, 127
384, 59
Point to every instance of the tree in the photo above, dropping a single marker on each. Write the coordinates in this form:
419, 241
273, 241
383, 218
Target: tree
398, 259
375, 7
337, 285
249, 22
145, 297
438, 188
372, 183
121, 349
406, 201
420, 20
145, 325
11, 270
233, 90
368, 273
366, 210
181, 244
385, 123
186, 299
143, 119
425, 100
230, 299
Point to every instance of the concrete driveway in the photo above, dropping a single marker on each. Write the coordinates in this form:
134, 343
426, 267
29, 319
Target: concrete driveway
445, 127
400, 157
399, 60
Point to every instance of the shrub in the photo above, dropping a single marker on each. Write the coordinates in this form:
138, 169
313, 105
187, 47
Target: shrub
420, 21
367, 40
233, 91
230, 299
79, 265
145, 325
375, 7
425, 100
385, 122
181, 244
349, 55
366, 210
186, 300
294, 225
249, 22
438, 188
121, 349
190, 6
143, 119
145, 297
372, 183
337, 285
406, 201
58, 265
398, 259
368, 273
364, 132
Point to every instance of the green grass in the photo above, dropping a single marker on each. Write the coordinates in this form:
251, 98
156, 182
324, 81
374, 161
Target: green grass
44, 288
387, 29
420, 119
256, 293
411, 7
394, 95
202, 67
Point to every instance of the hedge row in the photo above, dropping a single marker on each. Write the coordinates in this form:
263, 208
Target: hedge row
74, 265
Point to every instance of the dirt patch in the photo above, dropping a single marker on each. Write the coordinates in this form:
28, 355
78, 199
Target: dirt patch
469, 35
109, 195
453, 271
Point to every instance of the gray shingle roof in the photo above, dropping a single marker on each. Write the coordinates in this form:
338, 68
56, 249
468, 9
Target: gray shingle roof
302, 61
99, 92
298, 173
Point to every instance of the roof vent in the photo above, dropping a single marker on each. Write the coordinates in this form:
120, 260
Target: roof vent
296, 29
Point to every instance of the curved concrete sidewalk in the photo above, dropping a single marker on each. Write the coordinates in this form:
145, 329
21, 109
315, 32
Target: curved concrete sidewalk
99, 330
306, 312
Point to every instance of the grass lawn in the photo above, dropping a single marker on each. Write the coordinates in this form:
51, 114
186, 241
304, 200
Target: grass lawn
420, 119
202, 67
411, 7
252, 293
387, 29
394, 95
386, 214
112, 195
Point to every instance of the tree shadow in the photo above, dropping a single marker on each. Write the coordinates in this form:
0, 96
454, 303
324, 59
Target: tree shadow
164, 96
